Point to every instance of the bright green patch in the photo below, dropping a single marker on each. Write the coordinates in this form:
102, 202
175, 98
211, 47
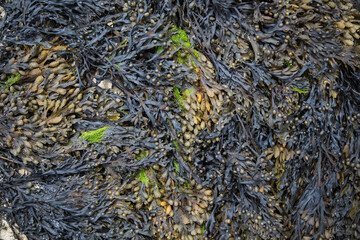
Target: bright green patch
203, 229
299, 90
185, 186
143, 176
94, 136
177, 169
178, 97
70, 143
11, 81
159, 49
289, 65
142, 155
176, 145
182, 39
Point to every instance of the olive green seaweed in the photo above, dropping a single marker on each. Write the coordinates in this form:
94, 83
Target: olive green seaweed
353, 211
124, 43
123, 112
94, 136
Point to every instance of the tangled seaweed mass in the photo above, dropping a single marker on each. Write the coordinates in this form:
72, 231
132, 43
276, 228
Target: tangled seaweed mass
172, 119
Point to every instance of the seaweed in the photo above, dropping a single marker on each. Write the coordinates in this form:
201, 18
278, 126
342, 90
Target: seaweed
143, 176
141, 155
10, 81
182, 39
180, 119
178, 97
299, 90
176, 167
94, 136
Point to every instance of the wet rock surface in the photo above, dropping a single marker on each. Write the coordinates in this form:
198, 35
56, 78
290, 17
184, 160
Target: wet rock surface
180, 119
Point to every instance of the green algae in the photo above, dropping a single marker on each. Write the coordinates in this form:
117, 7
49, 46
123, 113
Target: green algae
11, 81
177, 169
178, 97
289, 65
142, 155
143, 176
180, 94
159, 49
202, 229
94, 136
182, 39
299, 90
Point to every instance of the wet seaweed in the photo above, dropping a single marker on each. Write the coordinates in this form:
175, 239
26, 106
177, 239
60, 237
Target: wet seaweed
180, 119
